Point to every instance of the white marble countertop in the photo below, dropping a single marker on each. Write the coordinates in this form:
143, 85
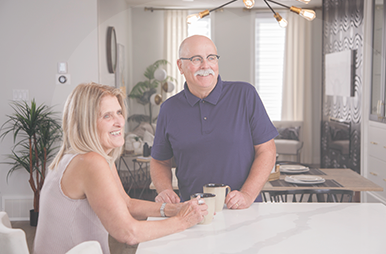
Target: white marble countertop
283, 228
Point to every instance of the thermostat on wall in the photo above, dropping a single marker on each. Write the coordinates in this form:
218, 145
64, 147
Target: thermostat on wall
63, 79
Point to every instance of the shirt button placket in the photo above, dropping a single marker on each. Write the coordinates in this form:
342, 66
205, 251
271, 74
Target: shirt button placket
204, 111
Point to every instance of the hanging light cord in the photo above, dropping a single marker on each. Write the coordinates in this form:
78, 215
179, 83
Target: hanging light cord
223, 5
269, 7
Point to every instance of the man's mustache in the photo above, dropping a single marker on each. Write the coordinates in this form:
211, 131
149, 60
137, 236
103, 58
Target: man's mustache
205, 72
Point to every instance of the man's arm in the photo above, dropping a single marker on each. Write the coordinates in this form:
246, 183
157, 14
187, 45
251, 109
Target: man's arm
161, 175
265, 156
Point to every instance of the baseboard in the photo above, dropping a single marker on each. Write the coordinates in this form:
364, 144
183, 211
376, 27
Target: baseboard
372, 197
17, 207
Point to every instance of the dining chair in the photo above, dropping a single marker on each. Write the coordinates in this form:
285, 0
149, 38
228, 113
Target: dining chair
88, 247
307, 195
12, 240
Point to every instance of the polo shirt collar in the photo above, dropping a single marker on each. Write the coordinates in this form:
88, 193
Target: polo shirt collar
212, 98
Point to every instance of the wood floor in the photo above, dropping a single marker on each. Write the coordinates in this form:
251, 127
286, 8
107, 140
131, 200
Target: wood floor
115, 247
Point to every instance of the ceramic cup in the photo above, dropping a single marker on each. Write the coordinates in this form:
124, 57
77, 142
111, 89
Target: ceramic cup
210, 202
220, 190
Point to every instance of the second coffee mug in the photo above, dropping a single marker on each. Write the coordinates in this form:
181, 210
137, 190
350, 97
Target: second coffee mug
220, 190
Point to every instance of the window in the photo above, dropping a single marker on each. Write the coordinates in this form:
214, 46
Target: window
269, 62
200, 27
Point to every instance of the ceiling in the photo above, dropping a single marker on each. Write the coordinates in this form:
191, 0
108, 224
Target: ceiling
210, 4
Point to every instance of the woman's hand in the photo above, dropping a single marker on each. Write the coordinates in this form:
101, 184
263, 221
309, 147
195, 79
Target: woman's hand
193, 211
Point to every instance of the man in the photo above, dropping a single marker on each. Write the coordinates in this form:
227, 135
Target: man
217, 132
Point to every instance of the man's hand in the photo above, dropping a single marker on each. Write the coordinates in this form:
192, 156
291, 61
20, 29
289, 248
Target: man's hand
238, 200
167, 196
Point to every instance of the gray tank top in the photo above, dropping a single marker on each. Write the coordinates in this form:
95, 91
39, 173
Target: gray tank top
65, 222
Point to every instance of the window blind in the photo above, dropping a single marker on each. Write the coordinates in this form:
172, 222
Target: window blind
269, 61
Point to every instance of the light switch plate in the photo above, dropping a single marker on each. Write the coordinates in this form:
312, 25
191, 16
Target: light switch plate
20, 94
62, 68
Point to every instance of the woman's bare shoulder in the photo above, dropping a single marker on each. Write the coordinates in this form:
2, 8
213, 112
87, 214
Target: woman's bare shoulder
90, 157
90, 161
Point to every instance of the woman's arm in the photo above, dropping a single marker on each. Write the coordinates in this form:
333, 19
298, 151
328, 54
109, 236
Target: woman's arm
141, 209
94, 179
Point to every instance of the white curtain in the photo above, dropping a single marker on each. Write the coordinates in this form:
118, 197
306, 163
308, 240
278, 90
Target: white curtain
297, 83
175, 33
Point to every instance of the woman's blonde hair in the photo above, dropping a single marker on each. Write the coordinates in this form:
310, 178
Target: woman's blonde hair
79, 121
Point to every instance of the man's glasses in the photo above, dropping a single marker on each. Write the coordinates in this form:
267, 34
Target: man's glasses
197, 60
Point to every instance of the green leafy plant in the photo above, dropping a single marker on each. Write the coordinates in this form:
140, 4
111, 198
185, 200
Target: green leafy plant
35, 133
144, 89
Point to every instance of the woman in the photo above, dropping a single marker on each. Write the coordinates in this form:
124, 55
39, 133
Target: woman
82, 198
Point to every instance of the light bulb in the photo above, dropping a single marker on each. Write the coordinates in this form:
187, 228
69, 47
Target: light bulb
304, 1
282, 22
307, 14
249, 3
194, 17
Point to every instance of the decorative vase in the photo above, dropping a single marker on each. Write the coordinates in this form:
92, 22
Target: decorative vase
137, 147
33, 218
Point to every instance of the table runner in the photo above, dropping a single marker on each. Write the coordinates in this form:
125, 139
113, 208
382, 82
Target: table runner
327, 183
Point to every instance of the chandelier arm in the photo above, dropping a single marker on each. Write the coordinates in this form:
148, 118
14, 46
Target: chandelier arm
269, 7
222, 5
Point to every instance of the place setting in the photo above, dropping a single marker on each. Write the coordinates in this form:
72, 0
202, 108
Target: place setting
293, 169
304, 179
289, 169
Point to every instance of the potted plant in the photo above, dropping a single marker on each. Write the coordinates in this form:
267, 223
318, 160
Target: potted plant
143, 90
35, 133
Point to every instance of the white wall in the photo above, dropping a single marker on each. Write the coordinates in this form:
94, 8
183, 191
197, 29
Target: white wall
36, 35
148, 47
233, 34
33, 41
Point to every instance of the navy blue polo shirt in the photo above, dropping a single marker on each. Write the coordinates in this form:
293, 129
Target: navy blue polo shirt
212, 139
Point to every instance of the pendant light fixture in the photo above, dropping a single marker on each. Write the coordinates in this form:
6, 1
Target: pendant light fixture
305, 13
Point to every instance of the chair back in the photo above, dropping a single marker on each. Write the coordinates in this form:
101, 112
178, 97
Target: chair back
12, 240
88, 247
308, 195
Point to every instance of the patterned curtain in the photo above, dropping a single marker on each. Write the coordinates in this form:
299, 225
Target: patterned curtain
297, 83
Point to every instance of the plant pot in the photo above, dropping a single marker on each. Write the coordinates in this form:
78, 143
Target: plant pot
33, 218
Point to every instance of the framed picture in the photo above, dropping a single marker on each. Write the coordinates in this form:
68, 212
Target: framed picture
119, 70
339, 68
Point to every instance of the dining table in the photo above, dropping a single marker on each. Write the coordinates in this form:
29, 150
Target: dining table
336, 178
354, 228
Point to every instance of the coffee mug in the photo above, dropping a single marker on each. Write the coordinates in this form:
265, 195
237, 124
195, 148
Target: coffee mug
220, 190
209, 199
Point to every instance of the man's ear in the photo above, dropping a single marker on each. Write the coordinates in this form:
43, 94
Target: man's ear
179, 65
